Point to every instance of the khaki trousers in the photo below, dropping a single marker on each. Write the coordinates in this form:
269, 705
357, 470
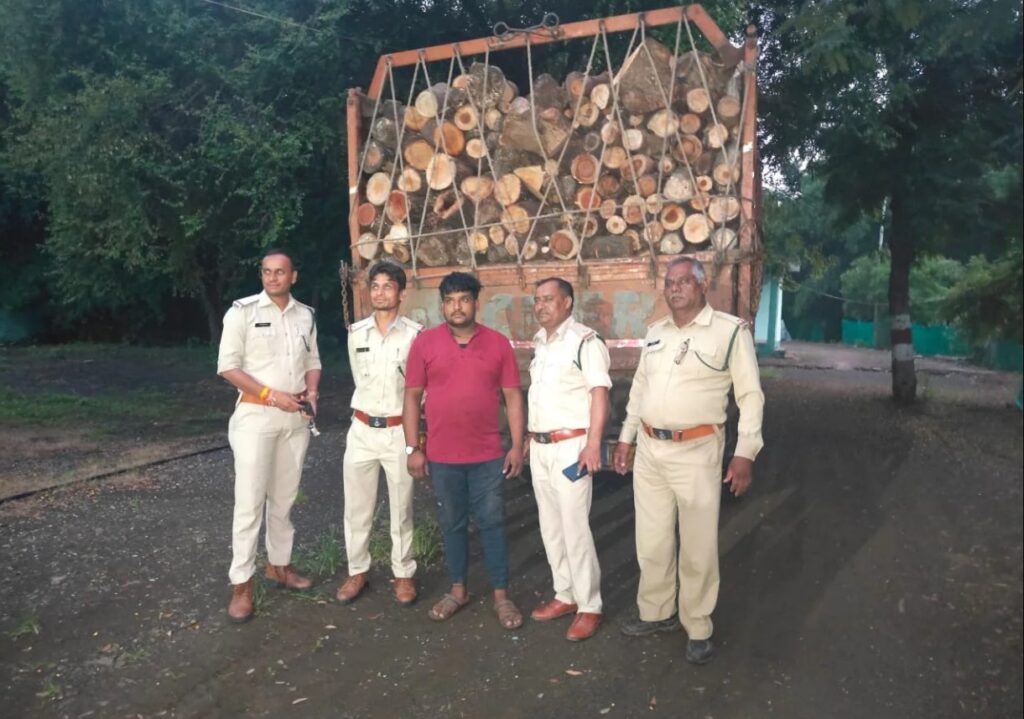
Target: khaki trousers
269, 447
563, 508
367, 451
678, 482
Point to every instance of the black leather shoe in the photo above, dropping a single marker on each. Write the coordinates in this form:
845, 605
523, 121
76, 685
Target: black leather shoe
699, 651
637, 627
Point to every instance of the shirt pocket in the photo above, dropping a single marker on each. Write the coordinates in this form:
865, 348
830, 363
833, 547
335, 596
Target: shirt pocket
555, 369
302, 337
653, 358
364, 361
707, 357
261, 338
398, 358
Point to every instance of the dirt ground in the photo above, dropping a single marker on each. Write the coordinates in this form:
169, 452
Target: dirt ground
874, 570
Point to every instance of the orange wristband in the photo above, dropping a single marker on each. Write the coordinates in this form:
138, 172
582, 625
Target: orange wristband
264, 392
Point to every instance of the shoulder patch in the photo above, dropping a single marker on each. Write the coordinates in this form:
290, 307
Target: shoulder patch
582, 331
411, 324
731, 318
361, 324
245, 301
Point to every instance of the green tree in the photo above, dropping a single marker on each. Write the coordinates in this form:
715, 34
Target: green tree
910, 103
986, 302
809, 247
865, 287
173, 142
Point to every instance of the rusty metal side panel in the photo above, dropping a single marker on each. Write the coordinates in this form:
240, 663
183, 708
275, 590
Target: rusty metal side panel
620, 305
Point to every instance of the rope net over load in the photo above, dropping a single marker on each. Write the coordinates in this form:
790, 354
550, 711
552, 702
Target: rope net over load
641, 159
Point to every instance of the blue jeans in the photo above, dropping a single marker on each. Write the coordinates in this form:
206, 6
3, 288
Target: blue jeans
476, 489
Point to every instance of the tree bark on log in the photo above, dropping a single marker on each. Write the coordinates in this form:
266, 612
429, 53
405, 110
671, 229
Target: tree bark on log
552, 128
640, 83
606, 246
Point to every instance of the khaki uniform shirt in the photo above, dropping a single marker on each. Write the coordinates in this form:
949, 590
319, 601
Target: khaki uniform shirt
566, 366
685, 373
378, 364
273, 346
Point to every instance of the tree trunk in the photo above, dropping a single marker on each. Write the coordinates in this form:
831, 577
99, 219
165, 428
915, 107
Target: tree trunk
209, 298
901, 248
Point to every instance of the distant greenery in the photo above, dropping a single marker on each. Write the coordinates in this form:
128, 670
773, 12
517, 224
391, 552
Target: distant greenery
865, 284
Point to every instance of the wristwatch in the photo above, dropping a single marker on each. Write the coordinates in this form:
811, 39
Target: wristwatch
410, 448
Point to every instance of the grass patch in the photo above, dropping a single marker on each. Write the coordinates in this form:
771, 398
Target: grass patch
426, 540
134, 656
26, 627
101, 413
194, 353
260, 598
427, 544
326, 556
51, 691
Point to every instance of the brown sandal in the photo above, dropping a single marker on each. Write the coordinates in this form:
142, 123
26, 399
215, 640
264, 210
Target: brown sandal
446, 607
508, 614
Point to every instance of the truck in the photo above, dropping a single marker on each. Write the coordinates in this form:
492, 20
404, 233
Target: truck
672, 133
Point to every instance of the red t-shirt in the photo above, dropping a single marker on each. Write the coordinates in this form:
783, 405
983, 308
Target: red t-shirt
463, 391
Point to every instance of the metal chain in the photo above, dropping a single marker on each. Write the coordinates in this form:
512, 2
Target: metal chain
547, 26
345, 275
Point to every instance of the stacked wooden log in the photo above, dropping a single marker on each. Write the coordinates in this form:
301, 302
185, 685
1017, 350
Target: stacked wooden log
597, 167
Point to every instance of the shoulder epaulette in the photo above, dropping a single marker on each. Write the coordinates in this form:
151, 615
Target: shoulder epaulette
245, 301
582, 331
585, 334
731, 318
411, 324
361, 324
659, 322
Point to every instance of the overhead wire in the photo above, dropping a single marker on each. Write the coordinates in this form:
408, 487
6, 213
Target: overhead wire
291, 23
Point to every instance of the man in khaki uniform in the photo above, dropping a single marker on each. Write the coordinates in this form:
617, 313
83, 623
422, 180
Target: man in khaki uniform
568, 408
676, 410
268, 351
378, 348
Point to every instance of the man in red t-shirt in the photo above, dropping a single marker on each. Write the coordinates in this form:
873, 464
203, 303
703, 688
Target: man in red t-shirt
465, 369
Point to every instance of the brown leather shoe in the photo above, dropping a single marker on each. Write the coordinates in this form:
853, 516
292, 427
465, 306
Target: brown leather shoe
240, 608
405, 590
286, 576
583, 626
352, 588
552, 610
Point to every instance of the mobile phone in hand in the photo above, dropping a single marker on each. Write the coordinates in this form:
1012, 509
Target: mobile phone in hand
307, 407
573, 472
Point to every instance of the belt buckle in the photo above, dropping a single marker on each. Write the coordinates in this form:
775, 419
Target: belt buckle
662, 433
378, 422
543, 437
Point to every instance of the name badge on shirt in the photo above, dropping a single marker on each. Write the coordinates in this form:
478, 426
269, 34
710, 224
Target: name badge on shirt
263, 324
362, 349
